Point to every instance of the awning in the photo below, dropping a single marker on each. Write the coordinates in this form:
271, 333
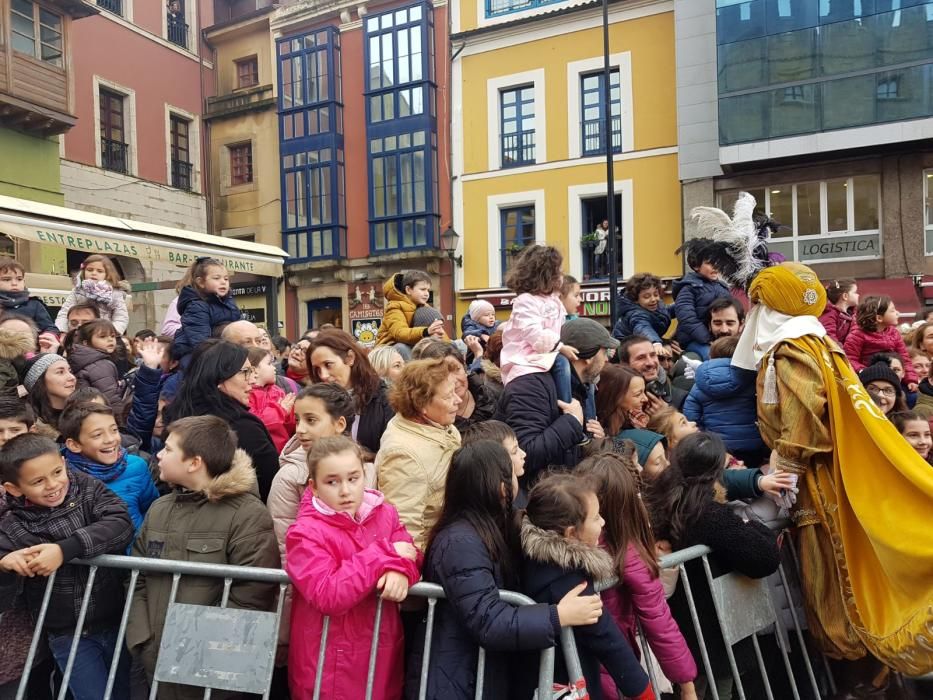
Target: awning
63, 227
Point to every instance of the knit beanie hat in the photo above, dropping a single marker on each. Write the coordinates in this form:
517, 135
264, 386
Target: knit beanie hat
425, 316
644, 440
35, 367
480, 307
880, 372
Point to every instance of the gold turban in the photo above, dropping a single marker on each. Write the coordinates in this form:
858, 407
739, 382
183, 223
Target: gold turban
789, 288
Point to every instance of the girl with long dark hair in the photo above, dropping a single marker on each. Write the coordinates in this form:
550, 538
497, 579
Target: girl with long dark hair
470, 553
218, 383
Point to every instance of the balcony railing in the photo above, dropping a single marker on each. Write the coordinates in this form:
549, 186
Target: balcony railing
115, 6
518, 149
114, 155
181, 174
594, 139
177, 31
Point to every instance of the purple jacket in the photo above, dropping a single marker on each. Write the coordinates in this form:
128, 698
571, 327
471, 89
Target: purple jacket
640, 597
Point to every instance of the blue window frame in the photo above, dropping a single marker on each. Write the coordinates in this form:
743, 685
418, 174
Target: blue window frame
593, 112
401, 129
517, 126
516, 230
496, 8
311, 145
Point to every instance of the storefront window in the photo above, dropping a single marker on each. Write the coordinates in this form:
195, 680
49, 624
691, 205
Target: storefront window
928, 209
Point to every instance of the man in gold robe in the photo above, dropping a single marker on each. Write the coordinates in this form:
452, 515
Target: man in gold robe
865, 506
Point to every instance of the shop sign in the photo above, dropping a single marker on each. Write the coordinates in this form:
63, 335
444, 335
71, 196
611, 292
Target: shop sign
253, 315
365, 331
365, 314
595, 302
839, 247
247, 289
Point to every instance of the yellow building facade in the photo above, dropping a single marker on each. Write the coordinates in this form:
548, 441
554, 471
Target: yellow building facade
528, 156
243, 139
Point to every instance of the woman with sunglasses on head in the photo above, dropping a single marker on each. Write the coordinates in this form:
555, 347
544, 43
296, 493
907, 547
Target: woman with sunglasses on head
218, 382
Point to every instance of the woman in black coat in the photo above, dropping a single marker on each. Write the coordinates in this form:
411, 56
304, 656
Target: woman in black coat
334, 356
217, 383
469, 555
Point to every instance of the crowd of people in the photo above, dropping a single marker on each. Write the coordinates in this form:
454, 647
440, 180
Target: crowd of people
541, 454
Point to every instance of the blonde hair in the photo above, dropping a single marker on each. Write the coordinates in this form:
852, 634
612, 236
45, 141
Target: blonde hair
662, 422
113, 277
381, 357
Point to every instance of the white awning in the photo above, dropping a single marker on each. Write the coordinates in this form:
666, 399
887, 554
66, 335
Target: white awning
63, 227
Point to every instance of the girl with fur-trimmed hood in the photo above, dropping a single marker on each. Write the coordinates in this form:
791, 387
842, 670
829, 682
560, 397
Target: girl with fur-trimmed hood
560, 532
100, 284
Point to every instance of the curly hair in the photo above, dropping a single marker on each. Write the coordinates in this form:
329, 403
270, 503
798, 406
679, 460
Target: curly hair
869, 309
641, 282
418, 385
537, 271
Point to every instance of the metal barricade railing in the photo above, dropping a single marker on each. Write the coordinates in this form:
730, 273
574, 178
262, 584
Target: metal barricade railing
230, 574
744, 609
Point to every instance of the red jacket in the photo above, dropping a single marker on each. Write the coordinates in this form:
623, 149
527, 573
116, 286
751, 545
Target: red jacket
640, 597
264, 404
837, 323
860, 345
334, 563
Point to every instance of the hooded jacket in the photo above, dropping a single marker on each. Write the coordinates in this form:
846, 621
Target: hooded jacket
637, 320
199, 317
411, 468
471, 615
30, 307
396, 321
693, 295
114, 311
552, 566
335, 562
94, 368
860, 345
12, 346
224, 523
639, 599
133, 485
91, 521
470, 327
837, 323
723, 401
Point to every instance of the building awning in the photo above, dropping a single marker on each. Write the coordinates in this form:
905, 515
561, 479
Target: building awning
62, 227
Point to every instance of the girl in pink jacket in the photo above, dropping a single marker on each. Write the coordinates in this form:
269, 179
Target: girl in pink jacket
346, 546
877, 332
639, 597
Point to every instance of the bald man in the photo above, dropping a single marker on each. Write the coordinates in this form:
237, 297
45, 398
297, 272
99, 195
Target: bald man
243, 333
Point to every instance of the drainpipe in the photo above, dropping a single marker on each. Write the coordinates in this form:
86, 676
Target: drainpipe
205, 130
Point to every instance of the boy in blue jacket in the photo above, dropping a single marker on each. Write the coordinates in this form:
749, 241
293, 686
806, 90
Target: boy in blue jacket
641, 311
693, 294
14, 297
93, 446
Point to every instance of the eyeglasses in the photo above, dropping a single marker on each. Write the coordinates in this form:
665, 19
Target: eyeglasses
888, 391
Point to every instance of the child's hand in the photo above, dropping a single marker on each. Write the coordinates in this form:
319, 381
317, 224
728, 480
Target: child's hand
576, 609
287, 402
48, 342
436, 328
17, 563
569, 352
777, 482
394, 586
573, 408
406, 550
46, 558
662, 548
151, 351
912, 387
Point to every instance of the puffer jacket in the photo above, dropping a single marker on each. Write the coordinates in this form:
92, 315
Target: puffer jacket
639, 598
264, 403
473, 615
114, 310
30, 307
225, 523
860, 345
94, 368
199, 317
396, 321
693, 295
470, 327
12, 346
133, 484
334, 562
637, 320
837, 323
485, 401
723, 401
411, 469
552, 566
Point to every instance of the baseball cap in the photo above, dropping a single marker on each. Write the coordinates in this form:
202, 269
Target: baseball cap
587, 336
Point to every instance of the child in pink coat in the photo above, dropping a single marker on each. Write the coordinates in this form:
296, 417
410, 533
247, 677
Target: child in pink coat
877, 332
346, 546
269, 402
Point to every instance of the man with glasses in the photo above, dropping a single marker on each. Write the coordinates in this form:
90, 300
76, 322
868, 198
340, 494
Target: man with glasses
243, 333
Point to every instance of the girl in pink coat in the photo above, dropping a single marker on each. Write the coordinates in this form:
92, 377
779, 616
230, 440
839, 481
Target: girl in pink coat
639, 597
346, 546
877, 332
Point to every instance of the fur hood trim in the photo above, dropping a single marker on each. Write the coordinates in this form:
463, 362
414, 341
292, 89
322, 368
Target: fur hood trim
491, 370
548, 547
13, 344
239, 479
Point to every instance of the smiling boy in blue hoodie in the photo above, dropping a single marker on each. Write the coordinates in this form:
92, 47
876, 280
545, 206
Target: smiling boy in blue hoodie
641, 311
693, 294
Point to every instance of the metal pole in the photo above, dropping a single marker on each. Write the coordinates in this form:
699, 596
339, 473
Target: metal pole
610, 180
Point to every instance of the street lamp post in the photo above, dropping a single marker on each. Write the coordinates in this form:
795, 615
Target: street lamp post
449, 240
610, 180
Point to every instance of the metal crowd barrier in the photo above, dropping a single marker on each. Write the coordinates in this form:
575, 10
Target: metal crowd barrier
230, 574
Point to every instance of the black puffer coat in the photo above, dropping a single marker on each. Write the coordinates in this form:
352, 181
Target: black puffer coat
96, 369
473, 615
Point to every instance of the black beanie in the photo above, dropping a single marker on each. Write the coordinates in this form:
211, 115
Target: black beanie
880, 372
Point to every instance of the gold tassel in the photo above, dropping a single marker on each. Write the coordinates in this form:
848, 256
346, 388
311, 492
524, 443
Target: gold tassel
770, 392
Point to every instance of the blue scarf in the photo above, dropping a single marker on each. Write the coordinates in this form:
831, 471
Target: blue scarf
102, 472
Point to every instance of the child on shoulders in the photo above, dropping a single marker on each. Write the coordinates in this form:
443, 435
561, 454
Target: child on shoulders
570, 297
876, 332
100, 284
693, 294
405, 293
91, 360
641, 311
15, 298
204, 305
841, 299
479, 320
